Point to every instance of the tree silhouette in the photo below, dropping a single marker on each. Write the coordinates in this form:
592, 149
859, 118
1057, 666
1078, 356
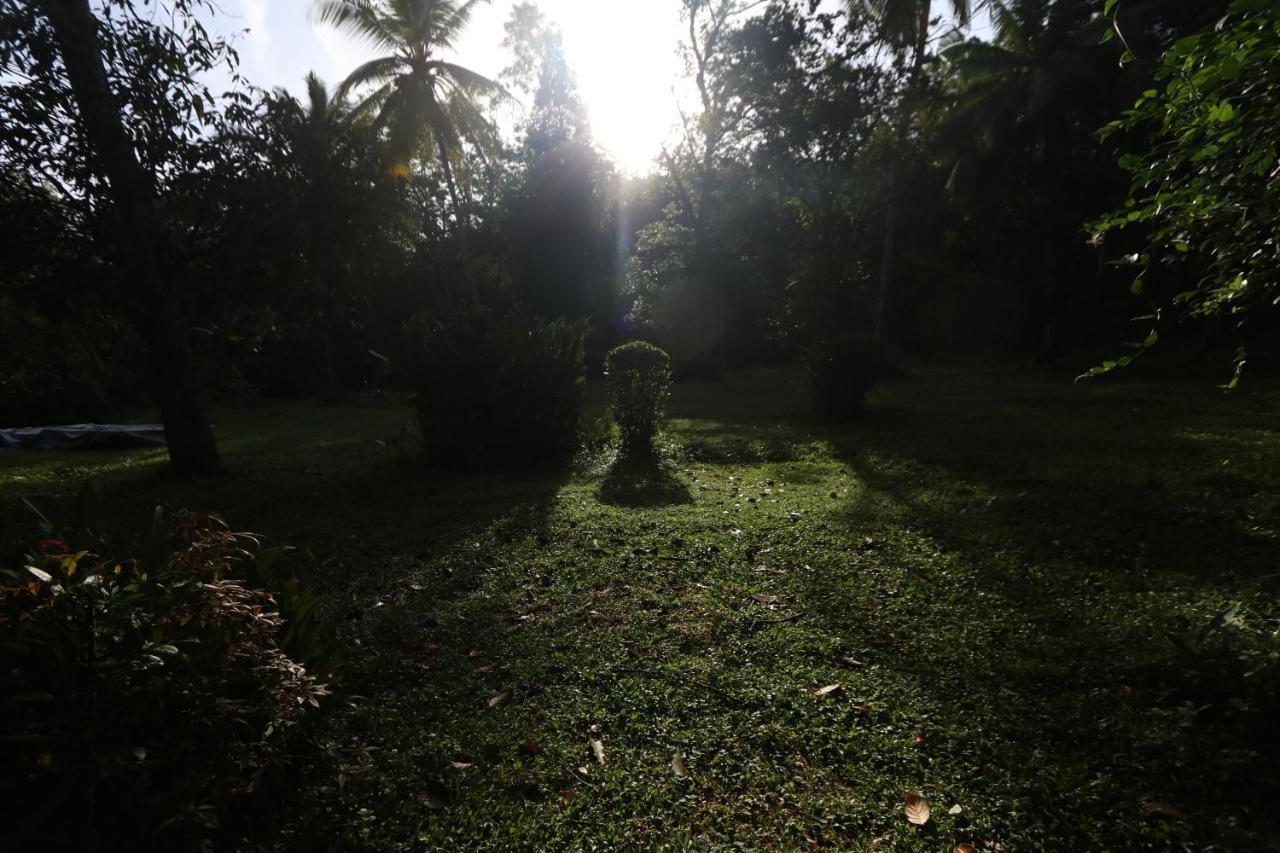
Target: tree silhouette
428, 105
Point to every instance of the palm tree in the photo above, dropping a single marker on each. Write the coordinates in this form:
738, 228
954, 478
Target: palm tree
318, 132
428, 105
905, 25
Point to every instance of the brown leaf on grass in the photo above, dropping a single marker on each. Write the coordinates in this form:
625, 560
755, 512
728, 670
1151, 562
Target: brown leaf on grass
917, 737
474, 652
860, 707
531, 748
1163, 810
500, 698
426, 663
885, 639
826, 691
677, 763
567, 795
1124, 691
848, 662
917, 809
964, 848
489, 667
598, 748
462, 765
764, 599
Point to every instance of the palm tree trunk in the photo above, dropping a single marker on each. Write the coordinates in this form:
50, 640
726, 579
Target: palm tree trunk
886, 261
891, 210
143, 234
462, 221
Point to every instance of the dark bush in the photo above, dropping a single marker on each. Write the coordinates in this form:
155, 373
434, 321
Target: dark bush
841, 372
146, 700
498, 389
639, 383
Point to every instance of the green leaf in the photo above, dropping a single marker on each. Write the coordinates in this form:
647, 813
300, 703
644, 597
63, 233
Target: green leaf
1151, 339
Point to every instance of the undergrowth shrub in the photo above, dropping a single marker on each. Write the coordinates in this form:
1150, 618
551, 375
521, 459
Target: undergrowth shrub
497, 389
145, 696
639, 376
842, 369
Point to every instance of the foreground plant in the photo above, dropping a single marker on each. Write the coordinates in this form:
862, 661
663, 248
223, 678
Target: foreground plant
145, 695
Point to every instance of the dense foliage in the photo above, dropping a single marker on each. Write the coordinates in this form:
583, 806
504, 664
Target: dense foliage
639, 376
1205, 189
493, 389
147, 695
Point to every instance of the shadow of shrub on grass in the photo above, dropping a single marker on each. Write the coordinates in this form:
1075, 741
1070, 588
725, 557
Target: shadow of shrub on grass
643, 483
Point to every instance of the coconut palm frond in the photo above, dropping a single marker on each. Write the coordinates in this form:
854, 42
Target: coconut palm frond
361, 18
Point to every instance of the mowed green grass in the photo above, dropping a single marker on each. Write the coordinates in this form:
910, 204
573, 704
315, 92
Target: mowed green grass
988, 565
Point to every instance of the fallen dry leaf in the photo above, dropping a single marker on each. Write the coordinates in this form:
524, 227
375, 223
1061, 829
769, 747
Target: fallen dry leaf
567, 795
1163, 810
487, 667
851, 663
964, 848
531, 748
827, 691
598, 748
474, 652
955, 809
677, 763
764, 599
500, 698
917, 809
462, 765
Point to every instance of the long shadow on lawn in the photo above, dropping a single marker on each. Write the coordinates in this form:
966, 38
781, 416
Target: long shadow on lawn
1065, 525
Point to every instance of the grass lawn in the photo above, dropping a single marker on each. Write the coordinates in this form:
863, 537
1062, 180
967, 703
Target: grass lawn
987, 570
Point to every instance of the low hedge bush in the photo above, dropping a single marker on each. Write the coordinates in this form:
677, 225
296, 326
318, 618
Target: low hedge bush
841, 372
496, 389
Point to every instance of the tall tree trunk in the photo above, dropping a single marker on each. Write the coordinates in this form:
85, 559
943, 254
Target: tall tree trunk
886, 261
891, 210
462, 221
144, 236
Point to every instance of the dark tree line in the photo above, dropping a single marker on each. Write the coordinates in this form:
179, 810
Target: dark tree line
873, 171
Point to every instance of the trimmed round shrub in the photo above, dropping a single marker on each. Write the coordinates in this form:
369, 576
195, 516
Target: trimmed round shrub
498, 389
841, 372
639, 383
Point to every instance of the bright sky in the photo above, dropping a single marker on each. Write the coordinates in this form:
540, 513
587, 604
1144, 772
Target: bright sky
622, 51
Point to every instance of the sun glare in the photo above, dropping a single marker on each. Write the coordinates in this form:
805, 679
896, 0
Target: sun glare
624, 55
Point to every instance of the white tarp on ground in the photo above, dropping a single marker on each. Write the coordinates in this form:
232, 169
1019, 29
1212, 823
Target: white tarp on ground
81, 436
